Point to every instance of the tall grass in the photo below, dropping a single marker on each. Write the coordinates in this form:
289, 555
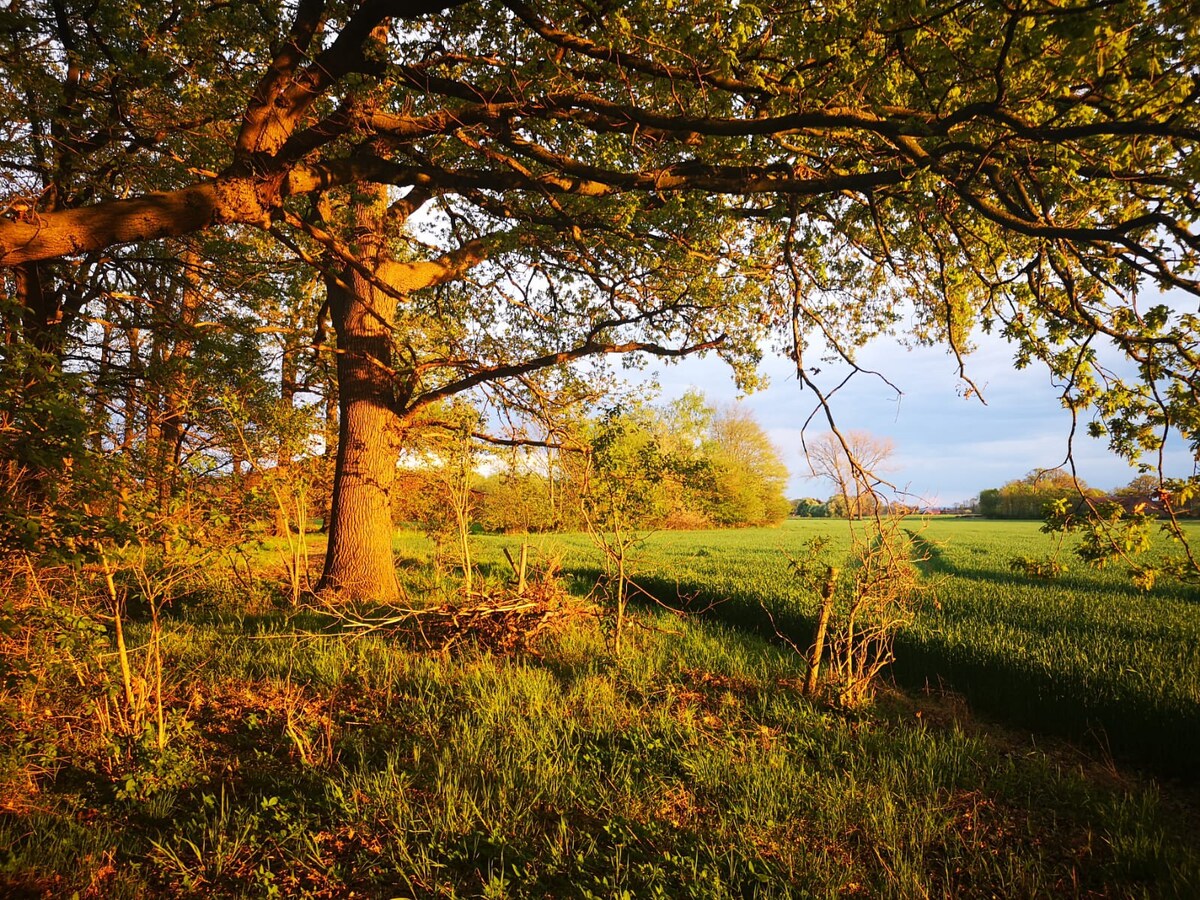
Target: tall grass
692, 767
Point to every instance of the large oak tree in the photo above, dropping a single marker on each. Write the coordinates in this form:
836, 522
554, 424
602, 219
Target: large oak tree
596, 178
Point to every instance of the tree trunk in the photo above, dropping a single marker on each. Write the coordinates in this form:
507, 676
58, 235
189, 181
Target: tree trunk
371, 399
101, 414
133, 378
288, 376
175, 353
330, 456
358, 559
34, 368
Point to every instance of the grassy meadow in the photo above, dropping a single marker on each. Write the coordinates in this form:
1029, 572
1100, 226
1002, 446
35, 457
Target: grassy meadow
308, 754
1085, 655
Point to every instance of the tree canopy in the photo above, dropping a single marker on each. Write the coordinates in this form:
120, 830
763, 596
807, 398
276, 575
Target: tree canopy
957, 153
490, 190
683, 465
1029, 497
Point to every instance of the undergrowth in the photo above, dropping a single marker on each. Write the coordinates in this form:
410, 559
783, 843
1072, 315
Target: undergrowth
307, 758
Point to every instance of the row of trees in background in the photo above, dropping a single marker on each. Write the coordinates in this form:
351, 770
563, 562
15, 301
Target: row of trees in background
1031, 496
1027, 497
686, 464
836, 507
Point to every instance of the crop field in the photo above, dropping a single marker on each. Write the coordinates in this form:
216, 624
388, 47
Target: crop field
1086, 655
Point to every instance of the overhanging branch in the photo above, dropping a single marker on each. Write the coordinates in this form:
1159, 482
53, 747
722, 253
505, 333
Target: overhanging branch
588, 348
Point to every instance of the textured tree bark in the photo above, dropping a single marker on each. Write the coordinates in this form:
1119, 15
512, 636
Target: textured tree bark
331, 440
358, 560
169, 214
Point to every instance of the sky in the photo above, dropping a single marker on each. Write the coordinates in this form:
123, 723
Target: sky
947, 447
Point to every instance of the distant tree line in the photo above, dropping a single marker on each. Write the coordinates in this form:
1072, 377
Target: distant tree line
684, 465
836, 507
1029, 497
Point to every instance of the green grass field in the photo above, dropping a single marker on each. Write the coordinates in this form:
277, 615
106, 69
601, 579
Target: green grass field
1086, 655
307, 759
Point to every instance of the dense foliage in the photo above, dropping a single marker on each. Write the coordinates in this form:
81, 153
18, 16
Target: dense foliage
1030, 496
683, 465
691, 465
448, 197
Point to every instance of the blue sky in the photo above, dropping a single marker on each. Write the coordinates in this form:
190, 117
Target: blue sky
947, 447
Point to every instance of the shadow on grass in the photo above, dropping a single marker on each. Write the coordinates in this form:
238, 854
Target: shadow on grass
937, 564
1130, 727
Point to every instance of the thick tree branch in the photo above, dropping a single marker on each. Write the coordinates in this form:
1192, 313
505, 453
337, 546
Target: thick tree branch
263, 111
413, 276
152, 216
284, 94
